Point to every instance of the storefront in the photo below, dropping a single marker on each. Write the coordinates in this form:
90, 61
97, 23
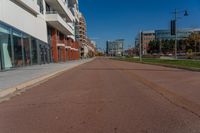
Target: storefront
19, 49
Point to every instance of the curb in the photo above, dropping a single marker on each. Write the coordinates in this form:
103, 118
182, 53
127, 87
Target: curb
9, 91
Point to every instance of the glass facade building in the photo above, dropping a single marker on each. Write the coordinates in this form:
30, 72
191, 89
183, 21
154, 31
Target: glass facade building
20, 49
166, 34
115, 48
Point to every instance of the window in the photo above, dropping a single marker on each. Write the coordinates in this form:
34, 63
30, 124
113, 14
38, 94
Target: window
34, 53
5, 47
26, 49
40, 4
17, 42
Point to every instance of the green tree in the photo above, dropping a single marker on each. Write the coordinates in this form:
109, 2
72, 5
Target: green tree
154, 46
193, 42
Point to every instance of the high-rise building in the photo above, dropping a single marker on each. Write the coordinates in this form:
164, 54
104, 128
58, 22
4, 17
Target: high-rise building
81, 35
115, 48
86, 46
37, 32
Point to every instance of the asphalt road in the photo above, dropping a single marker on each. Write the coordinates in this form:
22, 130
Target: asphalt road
106, 96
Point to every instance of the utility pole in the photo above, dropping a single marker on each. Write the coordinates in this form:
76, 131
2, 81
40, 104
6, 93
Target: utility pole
160, 47
140, 42
175, 33
175, 26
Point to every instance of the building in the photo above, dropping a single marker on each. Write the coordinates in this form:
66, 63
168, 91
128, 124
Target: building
87, 47
166, 34
81, 35
160, 35
115, 48
37, 32
146, 38
61, 29
91, 46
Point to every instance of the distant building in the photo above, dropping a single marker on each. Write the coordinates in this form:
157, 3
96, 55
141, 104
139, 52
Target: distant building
87, 48
115, 48
81, 35
181, 34
146, 38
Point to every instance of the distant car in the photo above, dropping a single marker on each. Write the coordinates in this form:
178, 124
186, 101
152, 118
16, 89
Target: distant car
181, 54
170, 54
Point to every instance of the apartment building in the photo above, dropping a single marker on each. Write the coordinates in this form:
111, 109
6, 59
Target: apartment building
81, 35
91, 46
61, 29
87, 46
37, 32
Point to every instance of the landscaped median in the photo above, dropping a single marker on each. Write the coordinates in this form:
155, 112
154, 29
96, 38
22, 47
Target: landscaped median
193, 65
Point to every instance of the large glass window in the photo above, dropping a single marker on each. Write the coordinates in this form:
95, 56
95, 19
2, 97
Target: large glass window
1, 62
17, 42
5, 47
19, 49
40, 4
26, 48
34, 52
44, 53
49, 31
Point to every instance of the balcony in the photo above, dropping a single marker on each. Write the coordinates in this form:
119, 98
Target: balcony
29, 5
56, 21
61, 7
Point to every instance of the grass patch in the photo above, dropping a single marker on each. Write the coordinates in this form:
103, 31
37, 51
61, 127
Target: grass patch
185, 64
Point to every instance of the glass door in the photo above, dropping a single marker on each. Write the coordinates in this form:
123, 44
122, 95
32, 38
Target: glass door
1, 65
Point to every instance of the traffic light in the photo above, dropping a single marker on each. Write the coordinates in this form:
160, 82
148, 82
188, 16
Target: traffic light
173, 27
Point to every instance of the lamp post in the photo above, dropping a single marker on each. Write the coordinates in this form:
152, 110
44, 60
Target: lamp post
140, 43
176, 13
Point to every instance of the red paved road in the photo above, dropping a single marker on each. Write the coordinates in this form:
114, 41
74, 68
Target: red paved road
106, 96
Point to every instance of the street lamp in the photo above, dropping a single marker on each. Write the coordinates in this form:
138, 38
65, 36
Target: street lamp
140, 47
176, 13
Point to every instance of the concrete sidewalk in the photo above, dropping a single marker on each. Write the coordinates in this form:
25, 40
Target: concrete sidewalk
11, 81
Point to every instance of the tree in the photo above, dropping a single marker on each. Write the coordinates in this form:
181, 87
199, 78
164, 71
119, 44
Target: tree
193, 42
154, 46
167, 46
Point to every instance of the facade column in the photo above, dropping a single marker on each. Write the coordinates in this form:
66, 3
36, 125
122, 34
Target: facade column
63, 51
54, 46
63, 54
69, 53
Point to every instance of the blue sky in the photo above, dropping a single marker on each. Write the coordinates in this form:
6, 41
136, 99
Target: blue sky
113, 19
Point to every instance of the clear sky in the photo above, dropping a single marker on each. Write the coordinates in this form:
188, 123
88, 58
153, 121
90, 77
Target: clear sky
113, 19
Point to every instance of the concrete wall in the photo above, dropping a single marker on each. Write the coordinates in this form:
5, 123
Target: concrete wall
16, 16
